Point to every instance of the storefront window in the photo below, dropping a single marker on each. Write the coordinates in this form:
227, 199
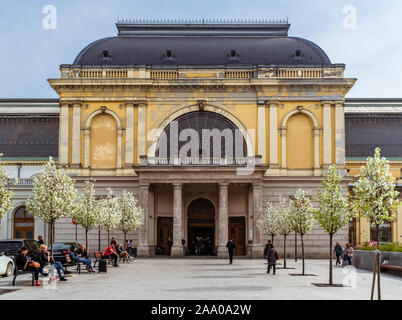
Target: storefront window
384, 232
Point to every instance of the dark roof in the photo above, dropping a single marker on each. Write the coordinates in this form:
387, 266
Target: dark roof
202, 45
365, 132
29, 135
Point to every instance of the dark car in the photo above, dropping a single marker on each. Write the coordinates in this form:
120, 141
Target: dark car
12, 246
61, 249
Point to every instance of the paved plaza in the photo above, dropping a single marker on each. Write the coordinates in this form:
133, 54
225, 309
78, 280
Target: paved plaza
206, 279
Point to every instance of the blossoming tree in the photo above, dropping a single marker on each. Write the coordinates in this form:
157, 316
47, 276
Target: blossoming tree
53, 196
130, 213
5, 193
332, 213
269, 222
109, 215
284, 224
374, 196
88, 208
301, 216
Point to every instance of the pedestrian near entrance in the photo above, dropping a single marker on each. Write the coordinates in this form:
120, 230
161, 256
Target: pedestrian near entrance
349, 252
338, 253
231, 246
271, 257
170, 244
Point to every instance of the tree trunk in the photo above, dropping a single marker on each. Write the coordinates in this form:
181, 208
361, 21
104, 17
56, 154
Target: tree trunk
330, 259
99, 240
108, 237
125, 236
301, 235
295, 246
378, 264
51, 237
86, 239
272, 238
284, 251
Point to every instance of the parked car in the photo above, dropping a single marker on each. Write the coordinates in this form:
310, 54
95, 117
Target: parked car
61, 249
12, 246
6, 265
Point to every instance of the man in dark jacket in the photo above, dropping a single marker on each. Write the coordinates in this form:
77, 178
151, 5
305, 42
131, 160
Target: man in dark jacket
271, 257
231, 246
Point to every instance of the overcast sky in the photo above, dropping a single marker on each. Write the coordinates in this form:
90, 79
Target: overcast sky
30, 54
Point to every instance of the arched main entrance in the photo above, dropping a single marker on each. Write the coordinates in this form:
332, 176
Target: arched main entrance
23, 224
201, 227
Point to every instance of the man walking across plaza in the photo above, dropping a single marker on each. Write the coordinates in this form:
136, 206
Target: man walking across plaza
231, 246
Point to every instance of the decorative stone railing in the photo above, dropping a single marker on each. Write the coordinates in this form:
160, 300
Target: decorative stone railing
239, 161
172, 74
21, 182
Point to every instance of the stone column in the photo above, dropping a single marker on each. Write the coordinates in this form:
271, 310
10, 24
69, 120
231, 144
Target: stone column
339, 134
141, 136
327, 134
257, 249
223, 228
261, 135
63, 133
76, 135
143, 247
177, 248
129, 134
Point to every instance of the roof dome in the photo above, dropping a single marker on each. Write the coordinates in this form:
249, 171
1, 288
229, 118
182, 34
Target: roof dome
202, 45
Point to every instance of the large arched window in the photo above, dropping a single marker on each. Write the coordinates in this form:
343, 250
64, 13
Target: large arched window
23, 224
201, 134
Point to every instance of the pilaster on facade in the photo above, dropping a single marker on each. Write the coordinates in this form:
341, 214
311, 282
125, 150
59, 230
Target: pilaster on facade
86, 131
129, 147
339, 134
257, 246
327, 133
64, 133
317, 168
262, 132
273, 169
76, 135
142, 134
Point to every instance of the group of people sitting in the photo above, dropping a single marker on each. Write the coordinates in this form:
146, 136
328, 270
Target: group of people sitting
38, 263
114, 251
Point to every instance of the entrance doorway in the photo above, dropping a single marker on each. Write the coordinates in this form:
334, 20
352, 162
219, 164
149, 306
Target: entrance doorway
201, 227
237, 227
23, 224
165, 231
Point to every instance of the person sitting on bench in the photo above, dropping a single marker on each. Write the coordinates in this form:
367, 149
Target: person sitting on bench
110, 253
123, 253
26, 264
82, 252
78, 259
44, 259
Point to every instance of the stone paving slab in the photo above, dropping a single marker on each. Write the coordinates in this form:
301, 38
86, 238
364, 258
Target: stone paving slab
210, 279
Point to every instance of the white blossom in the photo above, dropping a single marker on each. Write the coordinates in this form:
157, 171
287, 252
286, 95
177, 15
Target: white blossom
130, 213
109, 214
374, 195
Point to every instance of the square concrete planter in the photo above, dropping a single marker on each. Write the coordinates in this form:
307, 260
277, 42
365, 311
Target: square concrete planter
363, 259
